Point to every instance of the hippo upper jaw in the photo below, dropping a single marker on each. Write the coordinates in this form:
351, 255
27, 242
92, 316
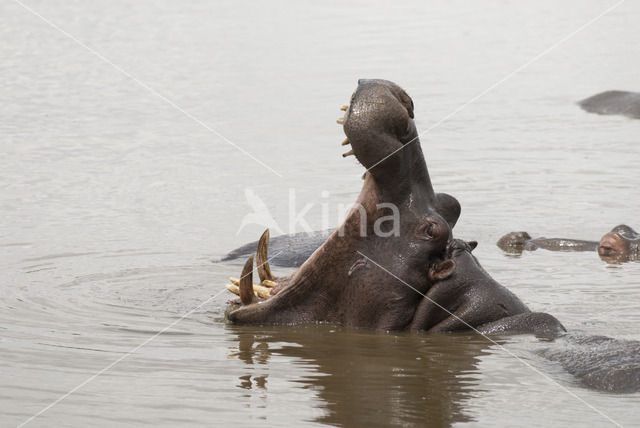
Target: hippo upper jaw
379, 126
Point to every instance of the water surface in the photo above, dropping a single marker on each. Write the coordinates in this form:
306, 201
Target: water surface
114, 203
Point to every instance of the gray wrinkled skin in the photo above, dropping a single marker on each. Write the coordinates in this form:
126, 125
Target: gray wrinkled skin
613, 102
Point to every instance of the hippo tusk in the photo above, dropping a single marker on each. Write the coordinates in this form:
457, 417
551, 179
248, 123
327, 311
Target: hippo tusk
262, 261
246, 283
349, 153
345, 142
344, 108
267, 280
340, 121
233, 288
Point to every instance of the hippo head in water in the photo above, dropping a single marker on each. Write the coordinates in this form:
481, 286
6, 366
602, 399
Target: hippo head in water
621, 244
396, 233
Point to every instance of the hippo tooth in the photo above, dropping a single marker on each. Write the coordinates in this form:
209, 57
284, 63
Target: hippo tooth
236, 282
349, 153
233, 288
344, 108
246, 283
261, 291
262, 261
269, 283
340, 121
258, 290
345, 142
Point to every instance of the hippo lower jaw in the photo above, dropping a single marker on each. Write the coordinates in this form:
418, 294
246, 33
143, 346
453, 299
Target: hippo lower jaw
342, 274
396, 221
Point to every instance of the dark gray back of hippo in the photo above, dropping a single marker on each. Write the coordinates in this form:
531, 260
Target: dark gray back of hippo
284, 250
599, 362
613, 102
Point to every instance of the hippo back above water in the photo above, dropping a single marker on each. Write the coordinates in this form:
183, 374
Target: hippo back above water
613, 102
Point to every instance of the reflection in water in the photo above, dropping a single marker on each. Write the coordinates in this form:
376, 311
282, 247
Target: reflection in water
371, 378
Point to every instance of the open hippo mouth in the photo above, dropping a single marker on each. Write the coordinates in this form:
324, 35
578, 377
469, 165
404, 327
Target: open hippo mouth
398, 229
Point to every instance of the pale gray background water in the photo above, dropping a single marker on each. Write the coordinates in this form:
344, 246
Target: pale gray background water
113, 204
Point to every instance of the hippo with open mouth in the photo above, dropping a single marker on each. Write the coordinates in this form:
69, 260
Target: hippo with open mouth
381, 268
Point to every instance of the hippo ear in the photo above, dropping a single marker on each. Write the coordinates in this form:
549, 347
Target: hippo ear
472, 244
442, 270
407, 102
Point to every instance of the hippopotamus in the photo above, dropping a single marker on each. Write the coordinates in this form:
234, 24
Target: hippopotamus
613, 102
621, 244
398, 219
469, 298
395, 245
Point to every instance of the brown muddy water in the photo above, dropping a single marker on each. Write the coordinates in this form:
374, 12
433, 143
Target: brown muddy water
114, 203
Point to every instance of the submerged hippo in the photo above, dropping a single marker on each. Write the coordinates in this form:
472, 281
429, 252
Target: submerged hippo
621, 244
469, 298
286, 250
613, 102
393, 263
